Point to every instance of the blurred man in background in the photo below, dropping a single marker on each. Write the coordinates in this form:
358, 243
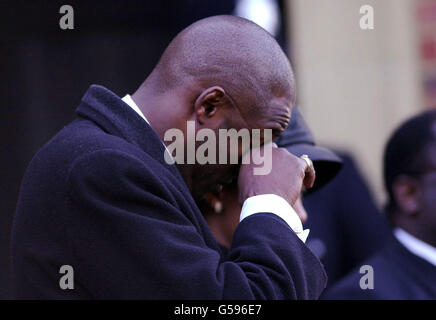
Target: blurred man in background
406, 267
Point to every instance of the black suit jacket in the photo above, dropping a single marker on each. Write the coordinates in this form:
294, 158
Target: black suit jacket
100, 197
398, 275
345, 225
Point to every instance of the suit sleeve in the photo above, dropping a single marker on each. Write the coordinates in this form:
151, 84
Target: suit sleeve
130, 239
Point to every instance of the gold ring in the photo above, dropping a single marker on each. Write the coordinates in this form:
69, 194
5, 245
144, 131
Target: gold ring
309, 162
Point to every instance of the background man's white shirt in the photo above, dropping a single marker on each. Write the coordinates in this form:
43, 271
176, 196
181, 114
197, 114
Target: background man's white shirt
416, 246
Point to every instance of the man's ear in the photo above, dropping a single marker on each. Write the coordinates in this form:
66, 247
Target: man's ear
208, 102
406, 193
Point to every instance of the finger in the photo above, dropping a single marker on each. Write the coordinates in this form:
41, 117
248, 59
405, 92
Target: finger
309, 177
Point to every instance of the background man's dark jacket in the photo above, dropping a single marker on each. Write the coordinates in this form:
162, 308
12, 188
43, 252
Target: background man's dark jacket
100, 197
346, 227
398, 275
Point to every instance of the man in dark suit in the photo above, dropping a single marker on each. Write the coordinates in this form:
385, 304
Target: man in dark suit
406, 267
102, 201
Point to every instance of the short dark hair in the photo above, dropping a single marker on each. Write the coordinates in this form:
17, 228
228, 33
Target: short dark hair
406, 150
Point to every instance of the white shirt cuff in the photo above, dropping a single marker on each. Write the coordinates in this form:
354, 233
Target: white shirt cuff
275, 204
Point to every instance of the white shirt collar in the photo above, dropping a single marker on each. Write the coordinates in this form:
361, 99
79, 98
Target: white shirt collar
416, 246
128, 99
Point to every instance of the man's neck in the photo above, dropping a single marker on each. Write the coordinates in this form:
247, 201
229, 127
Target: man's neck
162, 115
154, 112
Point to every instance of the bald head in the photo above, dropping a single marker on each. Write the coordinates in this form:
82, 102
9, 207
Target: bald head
221, 72
229, 51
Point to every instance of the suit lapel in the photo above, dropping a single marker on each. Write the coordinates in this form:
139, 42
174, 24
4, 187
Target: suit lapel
111, 113
419, 271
